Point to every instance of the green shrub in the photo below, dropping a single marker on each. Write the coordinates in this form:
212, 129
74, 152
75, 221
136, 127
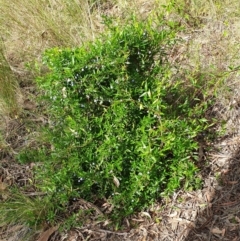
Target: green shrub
122, 127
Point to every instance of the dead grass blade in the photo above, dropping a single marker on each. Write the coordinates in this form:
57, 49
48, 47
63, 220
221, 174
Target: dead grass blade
46, 235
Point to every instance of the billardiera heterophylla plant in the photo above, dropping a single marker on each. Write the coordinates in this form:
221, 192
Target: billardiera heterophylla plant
122, 126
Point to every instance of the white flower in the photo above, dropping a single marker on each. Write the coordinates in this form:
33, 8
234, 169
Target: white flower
64, 92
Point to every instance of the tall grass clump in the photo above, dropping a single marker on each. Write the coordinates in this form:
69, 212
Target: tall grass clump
18, 208
58, 22
9, 98
8, 88
29, 27
123, 125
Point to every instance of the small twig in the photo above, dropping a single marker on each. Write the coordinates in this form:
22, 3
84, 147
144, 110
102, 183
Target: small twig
229, 203
105, 231
214, 220
91, 205
35, 194
112, 232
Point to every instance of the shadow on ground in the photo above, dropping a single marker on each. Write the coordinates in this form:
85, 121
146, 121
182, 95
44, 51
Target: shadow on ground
220, 220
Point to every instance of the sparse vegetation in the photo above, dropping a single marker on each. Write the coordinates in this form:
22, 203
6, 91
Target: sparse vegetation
126, 99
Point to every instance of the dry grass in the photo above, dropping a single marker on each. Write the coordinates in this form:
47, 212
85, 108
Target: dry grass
29, 27
8, 88
9, 98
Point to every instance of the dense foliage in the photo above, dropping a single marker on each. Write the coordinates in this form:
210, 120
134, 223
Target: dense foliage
122, 126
